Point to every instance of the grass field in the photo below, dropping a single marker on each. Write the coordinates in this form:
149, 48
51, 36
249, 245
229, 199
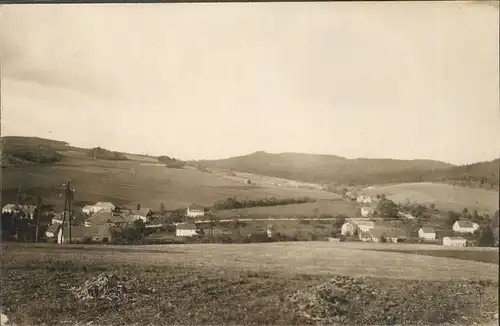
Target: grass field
329, 207
282, 283
444, 196
97, 180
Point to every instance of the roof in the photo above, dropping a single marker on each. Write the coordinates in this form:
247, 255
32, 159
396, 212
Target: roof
377, 233
9, 206
426, 229
364, 208
54, 228
395, 233
364, 223
454, 238
465, 224
104, 217
104, 204
80, 232
186, 226
196, 207
143, 211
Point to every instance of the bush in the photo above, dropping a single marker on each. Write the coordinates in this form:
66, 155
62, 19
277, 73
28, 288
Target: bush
104, 154
233, 203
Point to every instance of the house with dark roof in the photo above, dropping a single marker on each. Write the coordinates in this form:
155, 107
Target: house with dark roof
427, 233
109, 219
465, 227
81, 234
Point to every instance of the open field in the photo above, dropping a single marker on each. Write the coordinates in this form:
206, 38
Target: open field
311, 258
444, 196
130, 182
285, 283
329, 207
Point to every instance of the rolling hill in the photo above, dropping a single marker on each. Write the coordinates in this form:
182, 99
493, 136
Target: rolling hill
360, 171
324, 168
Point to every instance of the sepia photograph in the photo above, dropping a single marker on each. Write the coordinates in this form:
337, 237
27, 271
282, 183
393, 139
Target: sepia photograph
250, 163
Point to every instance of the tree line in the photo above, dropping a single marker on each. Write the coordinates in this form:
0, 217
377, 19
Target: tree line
233, 203
104, 154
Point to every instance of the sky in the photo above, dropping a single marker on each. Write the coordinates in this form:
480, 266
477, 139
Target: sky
414, 80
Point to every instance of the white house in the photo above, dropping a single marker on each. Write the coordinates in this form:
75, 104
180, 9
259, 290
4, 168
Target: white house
465, 227
427, 233
104, 206
9, 208
195, 211
363, 199
88, 209
185, 230
454, 242
366, 211
348, 228
143, 214
406, 215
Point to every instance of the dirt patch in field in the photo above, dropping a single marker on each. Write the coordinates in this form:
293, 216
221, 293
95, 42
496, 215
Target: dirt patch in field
105, 294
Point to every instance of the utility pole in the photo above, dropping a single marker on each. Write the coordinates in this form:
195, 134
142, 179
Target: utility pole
67, 207
37, 212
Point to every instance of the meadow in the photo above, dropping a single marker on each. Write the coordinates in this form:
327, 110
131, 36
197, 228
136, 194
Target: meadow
130, 182
444, 196
279, 283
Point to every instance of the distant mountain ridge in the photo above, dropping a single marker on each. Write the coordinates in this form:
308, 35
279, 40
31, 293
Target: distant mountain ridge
322, 168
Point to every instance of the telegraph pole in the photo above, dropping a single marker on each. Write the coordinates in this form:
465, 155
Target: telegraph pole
39, 205
67, 207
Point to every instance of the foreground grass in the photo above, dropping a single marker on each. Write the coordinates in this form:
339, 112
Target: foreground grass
34, 293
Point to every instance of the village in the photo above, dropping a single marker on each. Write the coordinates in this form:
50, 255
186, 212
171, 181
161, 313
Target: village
105, 222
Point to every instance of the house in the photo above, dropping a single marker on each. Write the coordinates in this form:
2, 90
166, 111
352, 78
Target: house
143, 214
195, 211
88, 209
83, 234
395, 235
270, 231
9, 208
366, 211
351, 195
109, 219
363, 199
52, 230
348, 228
454, 242
58, 218
363, 225
465, 227
427, 233
185, 230
104, 206
26, 211
406, 215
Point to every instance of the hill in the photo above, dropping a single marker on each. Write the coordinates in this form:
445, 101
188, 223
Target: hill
360, 171
324, 168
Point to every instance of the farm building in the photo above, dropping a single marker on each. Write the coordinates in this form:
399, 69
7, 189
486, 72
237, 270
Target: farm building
88, 209
406, 215
83, 234
364, 225
185, 230
52, 230
58, 218
394, 235
109, 219
363, 199
105, 206
366, 211
427, 233
143, 214
26, 211
195, 211
465, 227
454, 242
348, 228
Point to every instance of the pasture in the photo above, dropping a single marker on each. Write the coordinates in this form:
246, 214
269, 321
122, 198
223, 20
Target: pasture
281, 283
443, 196
321, 207
130, 182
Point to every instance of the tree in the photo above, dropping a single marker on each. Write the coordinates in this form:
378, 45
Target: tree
138, 206
387, 208
465, 211
452, 218
162, 209
486, 238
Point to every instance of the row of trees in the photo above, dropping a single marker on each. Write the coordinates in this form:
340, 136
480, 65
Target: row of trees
171, 162
104, 154
42, 156
233, 203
